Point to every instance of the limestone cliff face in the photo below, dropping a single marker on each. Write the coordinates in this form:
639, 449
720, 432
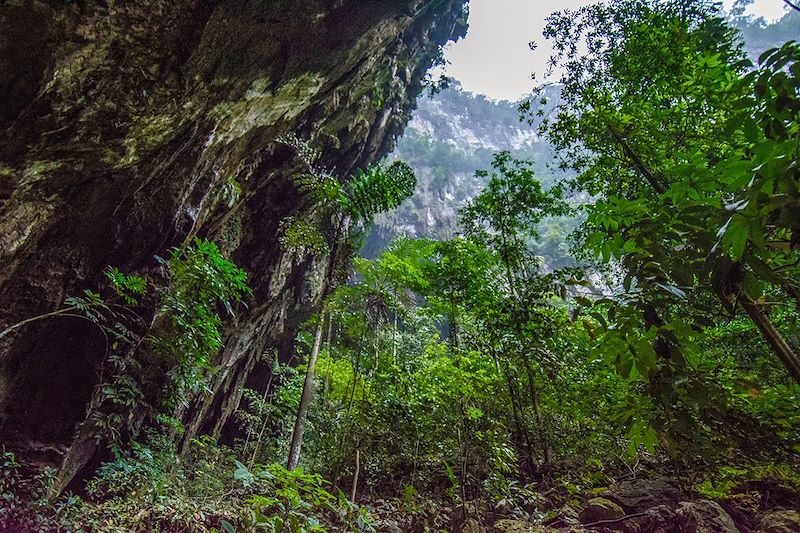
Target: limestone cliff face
453, 134
121, 124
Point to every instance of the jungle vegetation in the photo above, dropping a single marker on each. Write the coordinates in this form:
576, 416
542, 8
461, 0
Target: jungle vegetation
442, 373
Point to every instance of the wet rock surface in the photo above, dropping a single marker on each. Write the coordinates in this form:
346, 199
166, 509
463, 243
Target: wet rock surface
641, 494
704, 516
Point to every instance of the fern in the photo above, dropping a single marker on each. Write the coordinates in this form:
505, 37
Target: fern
380, 188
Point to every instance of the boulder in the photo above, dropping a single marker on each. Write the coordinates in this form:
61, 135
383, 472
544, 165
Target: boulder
566, 517
639, 495
704, 516
598, 509
780, 521
659, 519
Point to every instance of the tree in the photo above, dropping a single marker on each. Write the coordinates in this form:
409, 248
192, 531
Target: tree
353, 205
668, 131
503, 217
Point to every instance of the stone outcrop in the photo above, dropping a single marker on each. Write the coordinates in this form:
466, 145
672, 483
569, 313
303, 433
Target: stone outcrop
123, 125
705, 516
598, 509
638, 495
780, 521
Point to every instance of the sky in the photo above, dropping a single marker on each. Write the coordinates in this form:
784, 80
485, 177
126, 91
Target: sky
494, 58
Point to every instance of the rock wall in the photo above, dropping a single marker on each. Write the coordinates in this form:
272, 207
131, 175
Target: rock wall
122, 123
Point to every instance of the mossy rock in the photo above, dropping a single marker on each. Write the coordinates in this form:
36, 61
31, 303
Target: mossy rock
780, 521
515, 526
598, 509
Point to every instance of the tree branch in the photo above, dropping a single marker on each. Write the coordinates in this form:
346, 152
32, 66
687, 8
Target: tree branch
615, 520
60, 312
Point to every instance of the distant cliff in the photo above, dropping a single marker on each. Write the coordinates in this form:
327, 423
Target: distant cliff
453, 134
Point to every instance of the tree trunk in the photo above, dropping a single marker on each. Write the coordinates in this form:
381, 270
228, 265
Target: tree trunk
354, 488
327, 382
521, 432
771, 334
547, 454
305, 399
453, 333
259, 439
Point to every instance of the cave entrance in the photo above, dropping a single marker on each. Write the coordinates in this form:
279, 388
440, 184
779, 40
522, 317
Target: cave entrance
53, 377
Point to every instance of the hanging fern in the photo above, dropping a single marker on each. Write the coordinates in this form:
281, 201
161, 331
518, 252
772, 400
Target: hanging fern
377, 189
380, 188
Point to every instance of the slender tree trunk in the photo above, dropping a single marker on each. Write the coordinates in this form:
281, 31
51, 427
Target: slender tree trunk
512, 286
545, 442
305, 398
416, 458
771, 334
453, 325
356, 370
463, 450
643, 170
348, 427
327, 383
394, 340
547, 453
355, 477
257, 444
308, 383
523, 443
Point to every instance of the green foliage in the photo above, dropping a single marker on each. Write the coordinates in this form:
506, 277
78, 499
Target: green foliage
231, 191
150, 485
379, 188
9, 478
265, 417
683, 152
129, 288
504, 216
721, 483
464, 374
298, 502
201, 283
420, 400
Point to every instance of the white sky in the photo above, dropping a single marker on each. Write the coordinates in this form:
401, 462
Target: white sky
494, 58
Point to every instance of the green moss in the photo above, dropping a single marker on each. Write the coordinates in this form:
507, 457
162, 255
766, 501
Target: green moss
720, 484
260, 107
231, 233
6, 171
148, 132
36, 170
77, 66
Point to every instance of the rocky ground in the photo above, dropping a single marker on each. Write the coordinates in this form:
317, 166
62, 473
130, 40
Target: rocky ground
631, 506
